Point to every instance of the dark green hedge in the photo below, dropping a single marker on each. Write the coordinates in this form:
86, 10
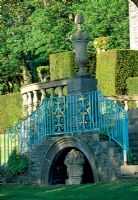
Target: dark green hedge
132, 86
113, 68
10, 110
62, 65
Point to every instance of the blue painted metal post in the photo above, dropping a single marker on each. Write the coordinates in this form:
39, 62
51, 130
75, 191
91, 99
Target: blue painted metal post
5, 147
125, 138
0, 153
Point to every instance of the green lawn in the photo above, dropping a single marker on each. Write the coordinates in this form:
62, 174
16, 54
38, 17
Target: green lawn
119, 190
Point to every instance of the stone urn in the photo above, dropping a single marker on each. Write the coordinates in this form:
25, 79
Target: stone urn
74, 162
80, 40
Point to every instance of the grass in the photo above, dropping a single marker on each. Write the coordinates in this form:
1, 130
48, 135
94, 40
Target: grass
119, 190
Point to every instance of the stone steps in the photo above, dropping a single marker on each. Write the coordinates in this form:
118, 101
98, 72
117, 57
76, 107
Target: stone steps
133, 155
133, 129
133, 116
133, 143
129, 170
129, 177
133, 136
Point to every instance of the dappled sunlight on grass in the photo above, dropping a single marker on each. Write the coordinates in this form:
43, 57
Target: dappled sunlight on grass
135, 189
55, 190
119, 190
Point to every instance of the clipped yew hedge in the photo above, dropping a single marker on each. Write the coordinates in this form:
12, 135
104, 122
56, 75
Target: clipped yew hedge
113, 68
10, 110
132, 86
62, 65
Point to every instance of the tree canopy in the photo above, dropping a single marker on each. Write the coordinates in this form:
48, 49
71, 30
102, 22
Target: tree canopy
31, 30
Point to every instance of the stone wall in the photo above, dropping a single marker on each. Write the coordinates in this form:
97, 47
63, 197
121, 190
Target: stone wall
104, 157
133, 23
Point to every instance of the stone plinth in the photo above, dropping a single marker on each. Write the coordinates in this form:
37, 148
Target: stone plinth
81, 84
129, 169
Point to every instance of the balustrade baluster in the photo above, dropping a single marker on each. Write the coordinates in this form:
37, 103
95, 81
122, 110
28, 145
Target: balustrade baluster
35, 100
136, 104
43, 92
52, 92
25, 104
126, 105
30, 101
60, 90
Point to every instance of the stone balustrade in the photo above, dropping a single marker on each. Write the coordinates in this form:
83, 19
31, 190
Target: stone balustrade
125, 100
34, 94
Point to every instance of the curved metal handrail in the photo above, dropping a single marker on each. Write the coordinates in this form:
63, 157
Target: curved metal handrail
86, 112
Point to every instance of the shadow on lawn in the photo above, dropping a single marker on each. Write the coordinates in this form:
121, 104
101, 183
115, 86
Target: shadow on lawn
119, 190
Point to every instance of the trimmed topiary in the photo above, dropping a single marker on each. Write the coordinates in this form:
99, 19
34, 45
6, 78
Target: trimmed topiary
10, 110
62, 65
132, 86
113, 68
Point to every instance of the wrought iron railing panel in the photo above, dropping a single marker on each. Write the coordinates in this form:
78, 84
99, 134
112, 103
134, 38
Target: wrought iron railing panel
90, 112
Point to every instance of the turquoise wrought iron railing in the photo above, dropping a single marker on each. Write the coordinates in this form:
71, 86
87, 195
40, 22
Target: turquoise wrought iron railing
87, 112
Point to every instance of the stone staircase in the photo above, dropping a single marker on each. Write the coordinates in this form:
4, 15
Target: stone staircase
130, 171
133, 136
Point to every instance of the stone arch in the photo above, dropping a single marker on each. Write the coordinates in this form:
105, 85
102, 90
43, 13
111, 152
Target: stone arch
58, 146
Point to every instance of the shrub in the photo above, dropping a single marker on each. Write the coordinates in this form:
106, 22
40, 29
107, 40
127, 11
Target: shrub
101, 43
17, 163
132, 86
3, 173
43, 73
113, 68
10, 110
62, 65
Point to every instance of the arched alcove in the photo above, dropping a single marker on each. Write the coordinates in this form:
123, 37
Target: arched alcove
58, 170
54, 170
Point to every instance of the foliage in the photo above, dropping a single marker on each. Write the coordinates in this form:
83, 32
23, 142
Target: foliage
62, 65
113, 68
17, 163
14, 25
127, 66
121, 190
107, 18
101, 42
3, 172
32, 30
10, 110
43, 72
132, 86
